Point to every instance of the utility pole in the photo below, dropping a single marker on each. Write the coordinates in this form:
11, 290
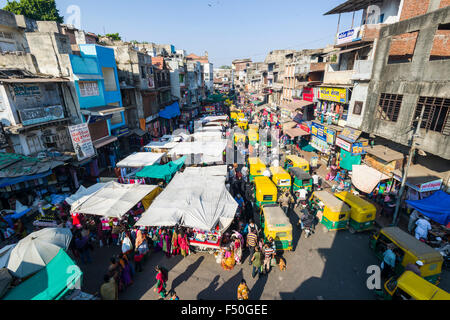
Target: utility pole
412, 151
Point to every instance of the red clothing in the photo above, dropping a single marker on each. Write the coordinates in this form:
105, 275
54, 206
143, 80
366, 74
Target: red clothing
76, 219
138, 257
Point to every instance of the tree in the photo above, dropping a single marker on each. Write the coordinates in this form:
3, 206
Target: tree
225, 67
114, 36
41, 10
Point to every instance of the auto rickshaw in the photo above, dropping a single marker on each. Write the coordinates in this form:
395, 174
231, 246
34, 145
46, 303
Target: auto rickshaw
239, 137
253, 126
253, 136
296, 161
276, 224
300, 179
411, 251
265, 191
409, 286
362, 214
333, 213
281, 178
242, 123
234, 115
256, 167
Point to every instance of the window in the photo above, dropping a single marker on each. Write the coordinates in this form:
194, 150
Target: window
389, 106
402, 47
436, 114
109, 77
116, 118
357, 108
6, 35
142, 72
34, 144
441, 47
88, 88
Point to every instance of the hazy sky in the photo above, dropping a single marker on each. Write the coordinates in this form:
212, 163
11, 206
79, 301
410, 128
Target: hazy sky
227, 29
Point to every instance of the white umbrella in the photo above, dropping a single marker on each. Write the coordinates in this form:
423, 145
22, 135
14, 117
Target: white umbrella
35, 251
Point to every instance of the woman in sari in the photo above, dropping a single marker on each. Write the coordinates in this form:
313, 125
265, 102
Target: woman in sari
166, 243
237, 247
139, 238
126, 271
161, 279
183, 243
175, 247
228, 261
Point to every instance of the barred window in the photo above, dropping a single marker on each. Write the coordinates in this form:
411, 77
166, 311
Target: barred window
358, 107
88, 88
389, 106
435, 115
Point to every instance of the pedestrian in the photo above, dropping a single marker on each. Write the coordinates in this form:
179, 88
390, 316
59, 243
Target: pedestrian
183, 243
252, 225
81, 243
237, 246
109, 290
269, 254
414, 216
252, 239
256, 262
285, 200
243, 291
175, 246
389, 259
415, 267
126, 271
161, 279
173, 295
422, 227
127, 246
315, 178
244, 172
138, 261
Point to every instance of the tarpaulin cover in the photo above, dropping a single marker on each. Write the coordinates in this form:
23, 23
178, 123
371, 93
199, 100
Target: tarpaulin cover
83, 194
366, 178
50, 283
436, 206
16, 166
140, 159
207, 171
206, 152
114, 199
192, 201
5, 281
165, 171
171, 111
4, 182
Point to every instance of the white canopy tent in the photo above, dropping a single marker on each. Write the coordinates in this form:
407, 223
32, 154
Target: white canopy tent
366, 178
140, 159
207, 136
210, 152
207, 171
83, 194
160, 145
192, 201
215, 118
209, 128
114, 199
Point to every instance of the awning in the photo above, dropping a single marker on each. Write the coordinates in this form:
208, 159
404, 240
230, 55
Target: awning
34, 80
89, 77
366, 178
436, 207
4, 182
352, 6
140, 159
289, 125
102, 111
298, 117
103, 141
297, 104
420, 178
384, 153
296, 132
350, 134
170, 111
353, 49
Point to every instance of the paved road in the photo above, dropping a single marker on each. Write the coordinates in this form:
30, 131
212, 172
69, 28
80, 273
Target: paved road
327, 265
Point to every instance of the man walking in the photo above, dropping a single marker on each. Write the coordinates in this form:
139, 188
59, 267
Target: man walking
285, 200
269, 253
256, 261
252, 241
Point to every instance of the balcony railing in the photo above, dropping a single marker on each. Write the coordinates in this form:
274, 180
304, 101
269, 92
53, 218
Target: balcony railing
362, 70
338, 77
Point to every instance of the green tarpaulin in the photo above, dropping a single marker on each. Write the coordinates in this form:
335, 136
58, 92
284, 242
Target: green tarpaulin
257, 103
348, 160
165, 171
51, 283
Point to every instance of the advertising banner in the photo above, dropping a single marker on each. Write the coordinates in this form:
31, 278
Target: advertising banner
323, 133
308, 94
343, 144
319, 144
81, 140
42, 114
333, 94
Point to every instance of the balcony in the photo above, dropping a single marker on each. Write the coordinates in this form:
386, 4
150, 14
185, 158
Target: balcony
334, 76
362, 70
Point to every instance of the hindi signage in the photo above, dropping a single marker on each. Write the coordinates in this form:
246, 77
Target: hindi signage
81, 140
333, 94
40, 115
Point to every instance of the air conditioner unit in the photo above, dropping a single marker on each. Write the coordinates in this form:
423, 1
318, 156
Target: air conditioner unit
51, 138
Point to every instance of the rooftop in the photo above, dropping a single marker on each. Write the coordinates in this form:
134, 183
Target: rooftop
353, 5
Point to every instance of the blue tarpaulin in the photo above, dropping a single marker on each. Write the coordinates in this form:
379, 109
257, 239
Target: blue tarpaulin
436, 207
171, 111
4, 182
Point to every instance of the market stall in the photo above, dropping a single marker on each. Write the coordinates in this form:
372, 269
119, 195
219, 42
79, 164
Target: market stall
164, 172
200, 152
159, 146
136, 161
199, 202
436, 207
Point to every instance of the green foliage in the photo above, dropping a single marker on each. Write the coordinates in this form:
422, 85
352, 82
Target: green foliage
225, 67
114, 36
41, 10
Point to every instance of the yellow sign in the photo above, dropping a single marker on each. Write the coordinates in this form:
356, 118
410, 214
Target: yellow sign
333, 94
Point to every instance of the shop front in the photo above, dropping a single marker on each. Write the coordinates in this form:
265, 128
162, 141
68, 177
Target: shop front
352, 147
322, 138
333, 105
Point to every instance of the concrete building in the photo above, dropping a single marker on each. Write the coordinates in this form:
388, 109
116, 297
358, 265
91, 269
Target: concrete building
239, 76
275, 61
222, 79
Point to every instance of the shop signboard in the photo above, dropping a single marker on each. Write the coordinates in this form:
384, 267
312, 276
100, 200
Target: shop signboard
358, 148
331, 135
323, 133
343, 144
81, 140
305, 127
40, 115
319, 144
333, 94
347, 36
208, 109
431, 186
308, 94
350, 134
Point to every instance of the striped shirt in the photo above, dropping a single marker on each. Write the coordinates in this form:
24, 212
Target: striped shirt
268, 252
252, 239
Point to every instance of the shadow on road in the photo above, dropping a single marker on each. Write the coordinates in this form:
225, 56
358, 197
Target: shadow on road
206, 293
187, 274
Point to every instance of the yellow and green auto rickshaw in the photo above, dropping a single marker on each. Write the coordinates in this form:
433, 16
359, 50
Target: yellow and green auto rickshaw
409, 286
239, 137
265, 191
411, 250
300, 179
253, 126
276, 224
281, 178
253, 136
242, 123
362, 214
233, 115
333, 213
256, 167
296, 161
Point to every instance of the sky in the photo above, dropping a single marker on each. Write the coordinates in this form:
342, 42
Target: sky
226, 29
